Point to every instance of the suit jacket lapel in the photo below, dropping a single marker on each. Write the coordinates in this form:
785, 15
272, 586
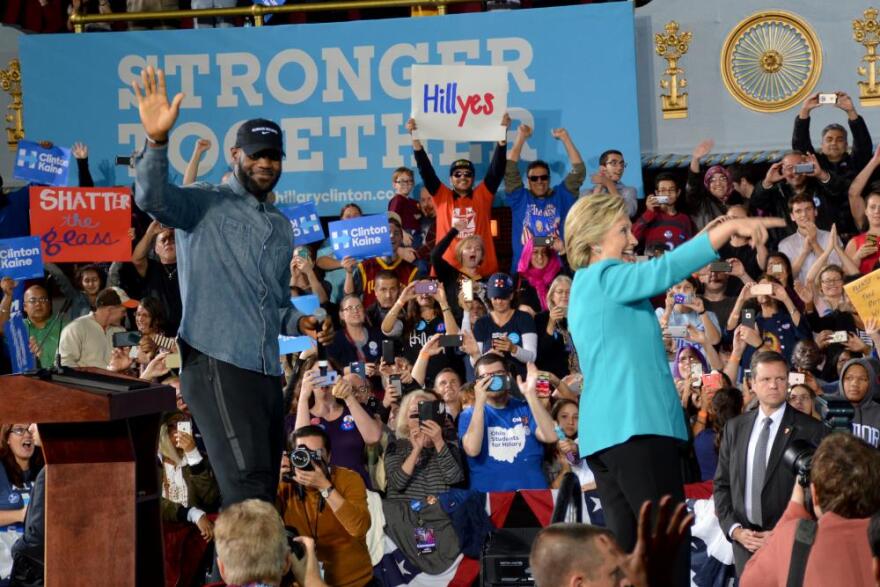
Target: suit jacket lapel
786, 431
743, 451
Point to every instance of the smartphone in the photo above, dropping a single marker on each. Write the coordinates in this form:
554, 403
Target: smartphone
748, 317
185, 426
682, 298
499, 383
677, 331
426, 287
172, 361
451, 340
130, 338
664, 200
776, 268
828, 98
542, 241
720, 267
696, 375
359, 369
711, 381
762, 289
796, 378
302, 252
839, 337
871, 239
467, 290
388, 352
122, 160
326, 379
432, 410
394, 380
542, 385
804, 168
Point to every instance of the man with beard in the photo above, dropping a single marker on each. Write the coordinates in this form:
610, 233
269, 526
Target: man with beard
233, 255
160, 277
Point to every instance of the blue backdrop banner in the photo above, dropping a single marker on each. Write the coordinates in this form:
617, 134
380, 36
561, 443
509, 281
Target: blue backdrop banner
341, 93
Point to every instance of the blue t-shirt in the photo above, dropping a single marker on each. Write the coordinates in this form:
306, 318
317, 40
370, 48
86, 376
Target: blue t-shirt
519, 325
13, 498
541, 216
511, 455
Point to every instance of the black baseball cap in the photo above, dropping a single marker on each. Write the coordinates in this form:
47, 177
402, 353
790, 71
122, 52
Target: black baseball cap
461, 164
258, 135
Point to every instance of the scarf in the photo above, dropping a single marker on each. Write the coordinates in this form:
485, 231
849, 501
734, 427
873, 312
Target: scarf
540, 279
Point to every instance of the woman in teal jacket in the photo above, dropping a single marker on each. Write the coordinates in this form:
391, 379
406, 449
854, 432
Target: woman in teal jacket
631, 419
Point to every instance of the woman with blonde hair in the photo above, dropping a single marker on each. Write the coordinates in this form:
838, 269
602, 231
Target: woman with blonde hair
469, 252
628, 400
555, 350
421, 463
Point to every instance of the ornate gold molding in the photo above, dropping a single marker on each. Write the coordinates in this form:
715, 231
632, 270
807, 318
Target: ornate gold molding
671, 46
10, 82
771, 61
867, 33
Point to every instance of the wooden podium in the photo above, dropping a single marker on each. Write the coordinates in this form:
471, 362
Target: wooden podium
102, 487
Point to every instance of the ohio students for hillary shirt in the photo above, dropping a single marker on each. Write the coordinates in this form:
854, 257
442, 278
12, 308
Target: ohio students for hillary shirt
511, 456
475, 209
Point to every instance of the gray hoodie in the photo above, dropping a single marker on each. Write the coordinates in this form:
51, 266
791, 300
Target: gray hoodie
866, 421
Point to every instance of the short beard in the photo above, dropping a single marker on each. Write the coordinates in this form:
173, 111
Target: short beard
251, 186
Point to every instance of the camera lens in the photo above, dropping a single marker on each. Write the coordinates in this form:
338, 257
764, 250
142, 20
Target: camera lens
301, 459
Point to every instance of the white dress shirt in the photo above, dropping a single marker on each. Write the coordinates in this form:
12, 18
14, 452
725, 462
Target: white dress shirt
794, 244
776, 418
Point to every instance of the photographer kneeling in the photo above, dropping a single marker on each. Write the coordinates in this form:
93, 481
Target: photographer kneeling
845, 490
328, 505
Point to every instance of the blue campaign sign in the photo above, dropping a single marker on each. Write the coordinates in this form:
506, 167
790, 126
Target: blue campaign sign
341, 93
306, 304
21, 258
304, 221
361, 238
36, 164
294, 344
18, 344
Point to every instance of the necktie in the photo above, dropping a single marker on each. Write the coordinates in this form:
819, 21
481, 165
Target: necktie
759, 470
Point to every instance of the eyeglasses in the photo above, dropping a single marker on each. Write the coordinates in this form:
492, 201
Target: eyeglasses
461, 174
836, 281
43, 300
615, 163
20, 430
539, 178
353, 309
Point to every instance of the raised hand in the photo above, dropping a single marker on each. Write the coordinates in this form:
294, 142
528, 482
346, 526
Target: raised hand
809, 105
844, 102
524, 131
157, 115
703, 149
80, 150
774, 173
560, 134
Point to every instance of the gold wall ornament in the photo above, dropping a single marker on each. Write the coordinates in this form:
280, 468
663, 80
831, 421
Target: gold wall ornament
10, 82
771, 61
671, 46
867, 32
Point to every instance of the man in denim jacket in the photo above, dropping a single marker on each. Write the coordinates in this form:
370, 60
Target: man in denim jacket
234, 251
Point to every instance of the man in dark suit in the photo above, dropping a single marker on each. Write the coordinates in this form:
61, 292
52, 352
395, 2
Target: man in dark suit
752, 486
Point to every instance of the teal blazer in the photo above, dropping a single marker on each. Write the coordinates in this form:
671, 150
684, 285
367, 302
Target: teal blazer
628, 388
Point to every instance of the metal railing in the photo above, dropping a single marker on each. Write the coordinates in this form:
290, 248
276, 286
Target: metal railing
257, 11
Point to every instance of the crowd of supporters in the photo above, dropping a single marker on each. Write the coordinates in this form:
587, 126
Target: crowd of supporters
450, 375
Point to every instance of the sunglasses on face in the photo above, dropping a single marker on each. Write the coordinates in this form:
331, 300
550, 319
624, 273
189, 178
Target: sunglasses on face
465, 174
539, 177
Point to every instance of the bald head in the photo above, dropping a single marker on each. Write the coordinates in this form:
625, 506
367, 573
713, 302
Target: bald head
576, 554
37, 304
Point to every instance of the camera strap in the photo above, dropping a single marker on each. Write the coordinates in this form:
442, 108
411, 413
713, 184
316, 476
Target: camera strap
804, 536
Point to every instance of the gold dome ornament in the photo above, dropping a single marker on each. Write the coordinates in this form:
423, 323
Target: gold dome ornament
867, 33
671, 46
771, 61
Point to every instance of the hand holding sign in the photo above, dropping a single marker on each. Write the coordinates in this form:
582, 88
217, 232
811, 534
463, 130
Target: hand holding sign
157, 116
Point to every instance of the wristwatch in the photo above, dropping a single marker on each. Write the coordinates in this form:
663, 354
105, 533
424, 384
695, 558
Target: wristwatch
325, 493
